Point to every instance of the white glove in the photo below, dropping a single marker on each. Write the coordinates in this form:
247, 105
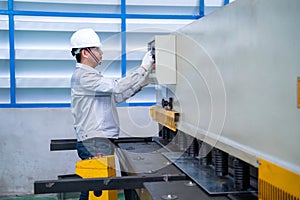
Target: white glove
147, 61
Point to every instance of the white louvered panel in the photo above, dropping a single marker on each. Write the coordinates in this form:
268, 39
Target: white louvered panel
42, 51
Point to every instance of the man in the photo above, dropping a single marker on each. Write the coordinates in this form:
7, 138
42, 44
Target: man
94, 97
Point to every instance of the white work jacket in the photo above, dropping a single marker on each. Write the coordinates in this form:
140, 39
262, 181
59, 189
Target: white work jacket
94, 100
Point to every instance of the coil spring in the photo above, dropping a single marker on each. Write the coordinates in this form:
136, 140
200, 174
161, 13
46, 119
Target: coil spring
205, 156
221, 162
193, 149
172, 137
241, 174
164, 133
181, 141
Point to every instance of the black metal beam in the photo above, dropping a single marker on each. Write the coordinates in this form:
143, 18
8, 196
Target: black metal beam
63, 144
70, 144
91, 184
132, 140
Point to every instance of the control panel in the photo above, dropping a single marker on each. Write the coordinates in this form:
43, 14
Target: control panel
163, 49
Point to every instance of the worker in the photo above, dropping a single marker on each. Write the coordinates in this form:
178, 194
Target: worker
94, 97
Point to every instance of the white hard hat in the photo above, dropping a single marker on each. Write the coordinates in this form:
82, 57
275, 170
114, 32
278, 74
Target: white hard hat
85, 38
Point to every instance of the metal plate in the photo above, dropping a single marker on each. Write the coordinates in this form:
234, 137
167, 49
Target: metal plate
204, 176
140, 147
145, 158
179, 189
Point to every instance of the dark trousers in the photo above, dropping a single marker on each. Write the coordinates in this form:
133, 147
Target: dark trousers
90, 148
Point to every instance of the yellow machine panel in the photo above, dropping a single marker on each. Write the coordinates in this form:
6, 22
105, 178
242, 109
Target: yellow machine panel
277, 183
98, 168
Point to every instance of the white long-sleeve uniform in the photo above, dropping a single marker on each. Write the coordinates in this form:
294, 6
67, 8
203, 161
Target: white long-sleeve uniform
94, 100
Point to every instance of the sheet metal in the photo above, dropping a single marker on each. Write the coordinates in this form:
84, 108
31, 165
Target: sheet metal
179, 189
204, 176
145, 158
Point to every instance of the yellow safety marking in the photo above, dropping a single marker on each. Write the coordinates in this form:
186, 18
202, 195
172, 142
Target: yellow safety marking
277, 183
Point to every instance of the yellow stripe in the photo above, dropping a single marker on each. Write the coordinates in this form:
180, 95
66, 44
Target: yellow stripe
276, 182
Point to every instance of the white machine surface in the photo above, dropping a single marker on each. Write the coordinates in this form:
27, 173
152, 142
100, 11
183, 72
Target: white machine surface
236, 80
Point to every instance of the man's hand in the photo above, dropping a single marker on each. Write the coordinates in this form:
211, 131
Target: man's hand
147, 61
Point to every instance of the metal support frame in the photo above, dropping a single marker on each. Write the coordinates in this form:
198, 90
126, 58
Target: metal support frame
73, 183
90, 184
70, 144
